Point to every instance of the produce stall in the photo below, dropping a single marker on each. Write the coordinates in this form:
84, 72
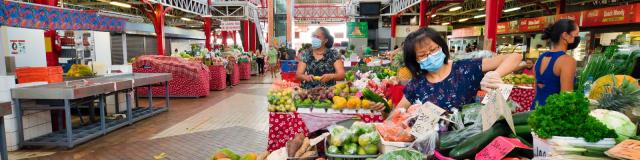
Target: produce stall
190, 79
217, 77
81, 93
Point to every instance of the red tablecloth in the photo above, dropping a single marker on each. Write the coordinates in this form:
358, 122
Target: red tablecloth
524, 97
217, 78
245, 70
284, 126
235, 76
190, 79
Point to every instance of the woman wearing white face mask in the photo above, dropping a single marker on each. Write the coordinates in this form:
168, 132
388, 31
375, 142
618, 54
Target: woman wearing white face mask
445, 83
320, 62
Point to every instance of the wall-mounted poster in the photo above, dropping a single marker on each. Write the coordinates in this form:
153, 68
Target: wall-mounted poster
357, 30
17, 46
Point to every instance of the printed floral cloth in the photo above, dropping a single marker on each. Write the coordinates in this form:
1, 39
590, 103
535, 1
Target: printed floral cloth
458, 89
235, 75
245, 70
175, 65
217, 78
319, 67
524, 97
284, 126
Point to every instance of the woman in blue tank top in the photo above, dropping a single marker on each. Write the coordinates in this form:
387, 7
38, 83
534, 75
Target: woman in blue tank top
555, 71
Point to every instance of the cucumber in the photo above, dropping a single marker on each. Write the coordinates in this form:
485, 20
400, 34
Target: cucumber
521, 118
523, 129
472, 145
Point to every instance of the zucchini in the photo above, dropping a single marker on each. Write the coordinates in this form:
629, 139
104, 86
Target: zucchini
521, 118
523, 129
368, 94
472, 145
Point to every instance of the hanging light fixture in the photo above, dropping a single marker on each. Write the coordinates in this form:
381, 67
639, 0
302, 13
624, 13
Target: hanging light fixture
120, 4
512, 9
463, 19
479, 16
455, 8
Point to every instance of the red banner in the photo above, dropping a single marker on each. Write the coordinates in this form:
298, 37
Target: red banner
575, 16
532, 24
466, 32
609, 16
507, 27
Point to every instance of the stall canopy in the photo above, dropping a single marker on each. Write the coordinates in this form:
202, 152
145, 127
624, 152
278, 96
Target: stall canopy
27, 15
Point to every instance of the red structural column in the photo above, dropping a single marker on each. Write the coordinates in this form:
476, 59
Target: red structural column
156, 12
207, 33
245, 35
252, 36
423, 13
560, 6
224, 38
394, 18
51, 36
493, 11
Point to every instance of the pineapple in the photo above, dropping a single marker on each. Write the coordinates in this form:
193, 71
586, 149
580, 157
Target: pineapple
621, 97
404, 74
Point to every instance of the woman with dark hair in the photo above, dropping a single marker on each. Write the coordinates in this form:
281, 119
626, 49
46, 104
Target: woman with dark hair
445, 83
260, 60
320, 61
555, 71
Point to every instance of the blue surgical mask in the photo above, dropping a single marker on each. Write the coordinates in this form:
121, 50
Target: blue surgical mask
433, 62
316, 43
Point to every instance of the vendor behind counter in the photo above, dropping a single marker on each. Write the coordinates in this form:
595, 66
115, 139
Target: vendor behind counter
322, 65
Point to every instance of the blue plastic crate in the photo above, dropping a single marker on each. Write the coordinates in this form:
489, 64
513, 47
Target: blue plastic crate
288, 65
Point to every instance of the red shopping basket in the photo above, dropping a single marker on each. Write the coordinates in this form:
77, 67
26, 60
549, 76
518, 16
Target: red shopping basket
291, 77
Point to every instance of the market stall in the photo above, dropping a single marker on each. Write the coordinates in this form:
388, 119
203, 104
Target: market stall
190, 79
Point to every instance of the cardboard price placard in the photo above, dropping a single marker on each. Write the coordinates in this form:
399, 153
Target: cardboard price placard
496, 107
504, 89
427, 117
627, 149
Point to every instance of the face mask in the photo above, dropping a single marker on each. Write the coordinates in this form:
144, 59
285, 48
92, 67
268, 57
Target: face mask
576, 41
316, 43
433, 62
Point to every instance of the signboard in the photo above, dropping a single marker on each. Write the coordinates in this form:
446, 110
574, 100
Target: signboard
507, 27
533, 24
357, 30
427, 118
467, 32
575, 16
17, 46
230, 26
609, 16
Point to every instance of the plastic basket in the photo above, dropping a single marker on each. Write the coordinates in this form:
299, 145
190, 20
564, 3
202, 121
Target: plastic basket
291, 77
288, 65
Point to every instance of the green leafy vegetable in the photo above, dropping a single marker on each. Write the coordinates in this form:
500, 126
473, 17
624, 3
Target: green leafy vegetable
567, 114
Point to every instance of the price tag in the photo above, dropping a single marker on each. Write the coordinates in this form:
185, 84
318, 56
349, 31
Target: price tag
427, 117
505, 91
627, 149
499, 148
494, 109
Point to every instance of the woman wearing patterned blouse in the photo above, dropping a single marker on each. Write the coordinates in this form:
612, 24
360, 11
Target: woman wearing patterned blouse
320, 61
445, 83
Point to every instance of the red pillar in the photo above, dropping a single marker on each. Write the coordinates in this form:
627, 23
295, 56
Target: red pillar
51, 36
252, 36
234, 38
245, 35
560, 6
207, 33
394, 18
493, 11
423, 13
156, 12
224, 38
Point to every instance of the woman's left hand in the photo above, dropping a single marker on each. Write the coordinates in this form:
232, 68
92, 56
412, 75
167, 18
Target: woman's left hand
490, 81
326, 78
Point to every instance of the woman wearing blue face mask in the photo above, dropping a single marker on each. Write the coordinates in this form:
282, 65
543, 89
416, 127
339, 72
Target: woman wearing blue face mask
320, 61
445, 83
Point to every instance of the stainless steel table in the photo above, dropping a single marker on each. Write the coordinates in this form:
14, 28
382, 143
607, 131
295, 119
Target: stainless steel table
88, 90
5, 109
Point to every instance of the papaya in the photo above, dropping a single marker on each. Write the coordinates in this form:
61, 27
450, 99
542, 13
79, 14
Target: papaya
249, 156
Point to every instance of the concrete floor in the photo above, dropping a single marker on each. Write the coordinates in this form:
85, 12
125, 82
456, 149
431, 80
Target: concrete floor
194, 128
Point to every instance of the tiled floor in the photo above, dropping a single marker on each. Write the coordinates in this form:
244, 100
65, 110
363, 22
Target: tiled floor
194, 128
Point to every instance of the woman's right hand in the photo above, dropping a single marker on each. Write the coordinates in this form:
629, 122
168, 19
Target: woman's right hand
307, 78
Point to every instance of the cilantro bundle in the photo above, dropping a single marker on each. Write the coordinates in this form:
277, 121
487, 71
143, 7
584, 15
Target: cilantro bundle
567, 114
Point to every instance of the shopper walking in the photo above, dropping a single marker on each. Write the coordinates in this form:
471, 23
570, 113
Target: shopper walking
446, 83
555, 71
231, 60
272, 59
260, 61
321, 62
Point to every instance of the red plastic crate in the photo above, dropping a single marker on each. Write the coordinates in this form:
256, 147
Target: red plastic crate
39, 74
291, 77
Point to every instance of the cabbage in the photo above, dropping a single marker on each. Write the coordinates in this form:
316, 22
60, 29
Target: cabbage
617, 121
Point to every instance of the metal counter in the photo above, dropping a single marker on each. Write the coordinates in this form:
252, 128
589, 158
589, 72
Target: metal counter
77, 93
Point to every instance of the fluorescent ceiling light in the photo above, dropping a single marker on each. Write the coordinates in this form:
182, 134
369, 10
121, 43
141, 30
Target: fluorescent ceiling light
455, 8
120, 4
512, 9
445, 23
479, 16
169, 15
462, 20
185, 19
481, 9
434, 15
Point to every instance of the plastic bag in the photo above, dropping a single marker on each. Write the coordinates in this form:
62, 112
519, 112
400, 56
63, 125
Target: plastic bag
362, 128
339, 135
426, 143
450, 139
471, 114
369, 138
406, 154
